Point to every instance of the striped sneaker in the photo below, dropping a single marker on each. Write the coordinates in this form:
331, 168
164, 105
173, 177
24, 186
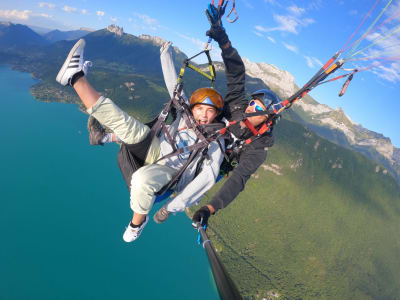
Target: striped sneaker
73, 64
161, 215
132, 233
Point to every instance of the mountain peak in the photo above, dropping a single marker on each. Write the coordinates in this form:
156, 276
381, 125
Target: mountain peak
87, 29
115, 29
155, 39
6, 23
281, 82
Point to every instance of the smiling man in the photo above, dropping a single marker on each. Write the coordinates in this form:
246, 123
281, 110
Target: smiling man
252, 136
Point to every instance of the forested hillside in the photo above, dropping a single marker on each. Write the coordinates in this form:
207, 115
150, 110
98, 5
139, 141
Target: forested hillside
316, 221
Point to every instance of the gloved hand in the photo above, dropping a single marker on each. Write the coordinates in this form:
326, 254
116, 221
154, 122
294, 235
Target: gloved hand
217, 31
276, 120
215, 14
201, 216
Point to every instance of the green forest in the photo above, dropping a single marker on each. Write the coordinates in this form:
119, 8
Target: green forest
316, 221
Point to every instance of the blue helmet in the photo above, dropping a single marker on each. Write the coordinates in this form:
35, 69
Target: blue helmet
266, 96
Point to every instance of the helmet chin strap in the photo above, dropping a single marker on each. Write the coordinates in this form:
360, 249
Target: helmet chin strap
263, 129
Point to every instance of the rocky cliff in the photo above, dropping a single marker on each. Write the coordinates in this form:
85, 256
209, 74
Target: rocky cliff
332, 124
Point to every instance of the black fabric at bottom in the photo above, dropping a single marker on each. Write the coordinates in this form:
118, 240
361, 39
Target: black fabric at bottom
131, 157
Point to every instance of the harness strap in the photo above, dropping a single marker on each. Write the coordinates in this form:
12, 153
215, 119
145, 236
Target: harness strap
230, 12
251, 127
169, 137
176, 178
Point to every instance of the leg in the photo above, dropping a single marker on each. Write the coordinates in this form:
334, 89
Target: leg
146, 181
73, 72
86, 92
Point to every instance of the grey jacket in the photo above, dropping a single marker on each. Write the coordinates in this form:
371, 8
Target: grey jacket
190, 189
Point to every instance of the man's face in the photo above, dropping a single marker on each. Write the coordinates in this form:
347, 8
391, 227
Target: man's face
256, 120
204, 114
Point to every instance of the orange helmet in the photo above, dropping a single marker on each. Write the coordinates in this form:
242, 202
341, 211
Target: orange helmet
207, 96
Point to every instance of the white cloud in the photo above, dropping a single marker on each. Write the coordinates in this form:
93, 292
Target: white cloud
260, 28
145, 22
194, 41
47, 4
146, 19
353, 12
291, 22
248, 4
290, 47
312, 62
381, 58
298, 11
272, 40
393, 11
100, 13
388, 73
287, 24
15, 14
84, 11
45, 16
113, 19
69, 9
258, 33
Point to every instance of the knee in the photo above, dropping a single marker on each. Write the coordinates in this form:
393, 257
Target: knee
140, 183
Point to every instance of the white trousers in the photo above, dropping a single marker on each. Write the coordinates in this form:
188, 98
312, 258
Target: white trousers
150, 178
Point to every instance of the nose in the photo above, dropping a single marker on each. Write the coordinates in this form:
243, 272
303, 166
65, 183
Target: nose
203, 113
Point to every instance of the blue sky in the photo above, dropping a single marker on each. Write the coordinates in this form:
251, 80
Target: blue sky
297, 36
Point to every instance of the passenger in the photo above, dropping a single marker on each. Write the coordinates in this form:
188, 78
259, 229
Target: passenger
146, 181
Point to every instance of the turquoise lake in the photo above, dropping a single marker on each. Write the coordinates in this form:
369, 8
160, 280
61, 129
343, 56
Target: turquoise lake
64, 208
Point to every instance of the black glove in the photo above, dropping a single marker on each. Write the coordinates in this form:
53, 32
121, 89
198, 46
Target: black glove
201, 216
276, 120
215, 14
217, 31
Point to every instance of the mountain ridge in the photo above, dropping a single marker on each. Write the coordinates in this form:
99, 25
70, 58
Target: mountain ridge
134, 54
316, 115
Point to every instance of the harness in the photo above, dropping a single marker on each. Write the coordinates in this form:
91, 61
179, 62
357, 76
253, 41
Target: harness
132, 157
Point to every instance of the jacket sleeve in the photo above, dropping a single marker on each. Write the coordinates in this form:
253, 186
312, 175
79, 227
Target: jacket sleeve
168, 69
204, 181
250, 160
170, 79
235, 98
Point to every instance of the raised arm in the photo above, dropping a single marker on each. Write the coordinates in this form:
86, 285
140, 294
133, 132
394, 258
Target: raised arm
168, 69
235, 98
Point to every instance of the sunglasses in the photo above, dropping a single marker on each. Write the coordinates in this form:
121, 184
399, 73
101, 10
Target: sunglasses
256, 106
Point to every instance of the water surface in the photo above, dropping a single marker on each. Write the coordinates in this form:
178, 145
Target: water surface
64, 207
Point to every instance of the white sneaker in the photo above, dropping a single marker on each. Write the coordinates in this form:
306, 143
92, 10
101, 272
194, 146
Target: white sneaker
131, 233
73, 64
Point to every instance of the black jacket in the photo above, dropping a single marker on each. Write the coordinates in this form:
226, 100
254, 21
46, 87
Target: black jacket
252, 155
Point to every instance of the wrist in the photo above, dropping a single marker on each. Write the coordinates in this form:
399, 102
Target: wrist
226, 45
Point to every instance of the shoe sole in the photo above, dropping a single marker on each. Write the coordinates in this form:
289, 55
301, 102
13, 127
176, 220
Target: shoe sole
67, 60
158, 221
